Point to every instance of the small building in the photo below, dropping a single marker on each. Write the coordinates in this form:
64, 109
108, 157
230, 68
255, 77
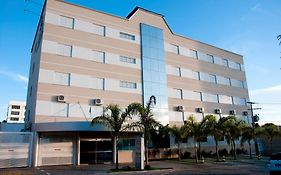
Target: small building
16, 112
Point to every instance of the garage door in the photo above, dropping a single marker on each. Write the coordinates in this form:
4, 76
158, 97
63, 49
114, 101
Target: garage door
55, 150
15, 149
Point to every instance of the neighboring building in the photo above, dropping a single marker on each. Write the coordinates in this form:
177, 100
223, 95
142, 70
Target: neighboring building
16, 112
83, 59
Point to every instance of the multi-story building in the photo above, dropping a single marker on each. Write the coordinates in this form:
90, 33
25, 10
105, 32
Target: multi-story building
16, 112
83, 59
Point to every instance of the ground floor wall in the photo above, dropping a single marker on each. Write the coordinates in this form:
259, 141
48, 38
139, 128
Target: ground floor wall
75, 148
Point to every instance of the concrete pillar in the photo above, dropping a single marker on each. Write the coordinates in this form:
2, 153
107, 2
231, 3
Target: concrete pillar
34, 150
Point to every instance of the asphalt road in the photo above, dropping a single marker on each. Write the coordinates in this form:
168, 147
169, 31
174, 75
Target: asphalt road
241, 166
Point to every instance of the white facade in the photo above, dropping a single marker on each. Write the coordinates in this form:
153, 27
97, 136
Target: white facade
16, 112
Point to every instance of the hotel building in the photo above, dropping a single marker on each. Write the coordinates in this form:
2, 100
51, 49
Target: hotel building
84, 59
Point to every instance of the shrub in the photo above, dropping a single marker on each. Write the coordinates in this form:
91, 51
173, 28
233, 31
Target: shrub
206, 154
223, 152
186, 155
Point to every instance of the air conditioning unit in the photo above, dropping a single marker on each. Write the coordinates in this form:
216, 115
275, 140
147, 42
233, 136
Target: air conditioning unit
61, 98
98, 102
181, 108
218, 111
232, 112
200, 110
245, 113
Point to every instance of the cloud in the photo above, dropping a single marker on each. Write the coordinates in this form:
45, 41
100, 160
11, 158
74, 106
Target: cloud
269, 99
22, 78
256, 7
14, 76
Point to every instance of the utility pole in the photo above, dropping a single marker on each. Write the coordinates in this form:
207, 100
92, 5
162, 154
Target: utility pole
252, 111
254, 119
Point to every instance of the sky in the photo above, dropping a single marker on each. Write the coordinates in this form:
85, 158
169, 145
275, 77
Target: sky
246, 27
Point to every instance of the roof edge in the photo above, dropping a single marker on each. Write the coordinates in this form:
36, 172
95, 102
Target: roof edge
140, 8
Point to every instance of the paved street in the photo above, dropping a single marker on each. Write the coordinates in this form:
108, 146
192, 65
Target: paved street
239, 167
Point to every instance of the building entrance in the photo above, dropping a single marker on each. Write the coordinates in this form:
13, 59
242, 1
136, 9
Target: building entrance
94, 151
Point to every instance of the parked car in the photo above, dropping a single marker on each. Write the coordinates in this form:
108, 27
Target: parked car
274, 164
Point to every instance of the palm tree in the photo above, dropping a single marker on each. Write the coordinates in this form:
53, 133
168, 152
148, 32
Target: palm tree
248, 134
146, 122
233, 130
178, 133
198, 130
114, 119
216, 129
270, 130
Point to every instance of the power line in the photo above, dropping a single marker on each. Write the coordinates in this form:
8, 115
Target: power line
31, 12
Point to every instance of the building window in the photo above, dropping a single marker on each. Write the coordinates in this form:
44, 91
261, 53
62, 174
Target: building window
62, 78
205, 57
239, 101
14, 119
223, 80
30, 92
15, 107
175, 49
98, 83
225, 99
67, 22
127, 36
210, 97
33, 67
65, 50
128, 60
195, 75
193, 95
210, 58
126, 84
126, 144
236, 83
194, 54
99, 29
213, 78
225, 62
234, 65
178, 93
15, 113
98, 56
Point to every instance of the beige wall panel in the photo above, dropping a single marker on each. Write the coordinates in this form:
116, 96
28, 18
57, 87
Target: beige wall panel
205, 48
91, 15
190, 84
46, 119
190, 106
126, 156
79, 66
201, 66
85, 94
83, 39
133, 25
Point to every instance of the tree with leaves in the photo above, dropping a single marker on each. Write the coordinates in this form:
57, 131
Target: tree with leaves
216, 129
198, 130
233, 130
270, 130
249, 134
179, 135
146, 122
115, 120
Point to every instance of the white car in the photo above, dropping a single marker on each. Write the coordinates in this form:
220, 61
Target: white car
274, 164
